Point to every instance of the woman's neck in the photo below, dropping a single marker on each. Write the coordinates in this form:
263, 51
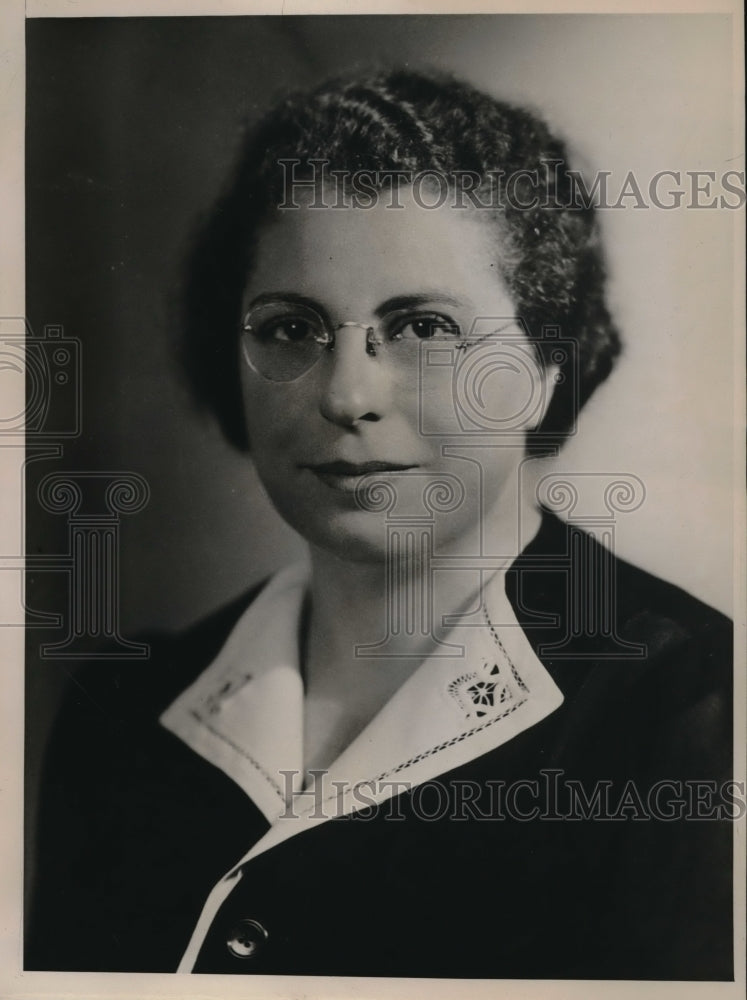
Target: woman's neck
358, 648
353, 603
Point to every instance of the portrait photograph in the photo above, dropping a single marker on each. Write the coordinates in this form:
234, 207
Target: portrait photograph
373, 491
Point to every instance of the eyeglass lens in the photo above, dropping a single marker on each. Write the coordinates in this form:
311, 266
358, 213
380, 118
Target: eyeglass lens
284, 340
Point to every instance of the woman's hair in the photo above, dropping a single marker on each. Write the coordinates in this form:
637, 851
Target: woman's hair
550, 255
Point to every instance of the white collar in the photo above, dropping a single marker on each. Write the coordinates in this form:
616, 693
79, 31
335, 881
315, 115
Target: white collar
244, 713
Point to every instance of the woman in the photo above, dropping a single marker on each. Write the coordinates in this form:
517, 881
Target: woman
462, 739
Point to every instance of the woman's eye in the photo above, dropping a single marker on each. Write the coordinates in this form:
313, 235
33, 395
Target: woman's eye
291, 331
426, 328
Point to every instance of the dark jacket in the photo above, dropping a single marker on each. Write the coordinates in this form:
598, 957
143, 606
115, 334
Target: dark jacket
608, 879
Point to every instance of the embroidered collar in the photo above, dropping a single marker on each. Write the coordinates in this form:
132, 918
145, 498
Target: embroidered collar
244, 713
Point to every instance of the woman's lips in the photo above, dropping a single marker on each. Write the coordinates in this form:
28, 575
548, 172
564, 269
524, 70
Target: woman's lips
346, 476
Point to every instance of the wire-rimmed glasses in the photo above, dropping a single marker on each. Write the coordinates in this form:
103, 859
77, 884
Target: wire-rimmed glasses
283, 340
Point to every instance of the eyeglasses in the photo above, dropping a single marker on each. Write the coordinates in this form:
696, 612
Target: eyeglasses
282, 341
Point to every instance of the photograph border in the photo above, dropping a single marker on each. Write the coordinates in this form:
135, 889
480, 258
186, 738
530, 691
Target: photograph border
15, 983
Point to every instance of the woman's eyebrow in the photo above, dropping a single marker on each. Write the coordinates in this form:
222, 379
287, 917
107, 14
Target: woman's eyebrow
264, 297
417, 299
393, 304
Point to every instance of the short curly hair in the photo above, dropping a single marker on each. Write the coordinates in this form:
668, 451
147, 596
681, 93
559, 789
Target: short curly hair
391, 120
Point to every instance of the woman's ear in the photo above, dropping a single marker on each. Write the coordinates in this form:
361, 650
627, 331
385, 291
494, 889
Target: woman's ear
549, 376
535, 446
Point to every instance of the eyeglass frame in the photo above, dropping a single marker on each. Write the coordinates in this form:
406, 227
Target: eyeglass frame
372, 341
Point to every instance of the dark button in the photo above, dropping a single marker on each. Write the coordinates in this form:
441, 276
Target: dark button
246, 939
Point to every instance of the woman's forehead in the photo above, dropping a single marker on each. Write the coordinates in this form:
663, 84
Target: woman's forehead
361, 256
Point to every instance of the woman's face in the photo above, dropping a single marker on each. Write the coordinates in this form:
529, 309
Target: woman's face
417, 412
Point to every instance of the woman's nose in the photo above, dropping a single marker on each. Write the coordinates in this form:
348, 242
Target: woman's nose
355, 380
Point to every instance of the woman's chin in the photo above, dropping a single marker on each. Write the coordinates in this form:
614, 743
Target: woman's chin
356, 536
